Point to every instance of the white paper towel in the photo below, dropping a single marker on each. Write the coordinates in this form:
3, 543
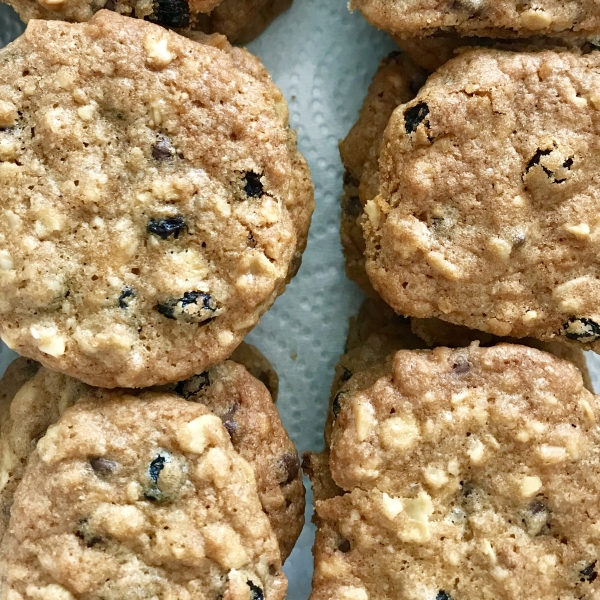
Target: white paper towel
323, 59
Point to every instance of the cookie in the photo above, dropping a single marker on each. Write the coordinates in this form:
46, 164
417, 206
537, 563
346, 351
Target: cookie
492, 18
469, 473
154, 201
32, 400
139, 497
258, 366
486, 213
397, 81
239, 20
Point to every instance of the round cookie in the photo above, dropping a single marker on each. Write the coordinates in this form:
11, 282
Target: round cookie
491, 18
487, 213
139, 497
228, 390
469, 473
154, 201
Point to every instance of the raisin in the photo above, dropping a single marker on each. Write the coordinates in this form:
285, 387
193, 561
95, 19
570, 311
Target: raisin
349, 179
581, 329
153, 492
336, 407
352, 206
102, 466
162, 150
110, 5
347, 374
344, 546
83, 533
536, 518
190, 387
442, 595
461, 366
171, 13
253, 186
194, 307
414, 116
126, 293
165, 228
589, 573
229, 421
291, 467
255, 592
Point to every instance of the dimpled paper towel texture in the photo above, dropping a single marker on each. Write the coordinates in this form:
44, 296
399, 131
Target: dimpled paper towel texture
323, 59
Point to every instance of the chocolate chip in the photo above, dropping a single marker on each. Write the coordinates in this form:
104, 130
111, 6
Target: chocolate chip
171, 13
589, 573
291, 467
255, 592
536, 518
102, 466
126, 293
163, 150
194, 307
442, 595
253, 186
581, 329
89, 538
229, 421
190, 387
165, 228
414, 116
461, 365
344, 546
152, 491
352, 206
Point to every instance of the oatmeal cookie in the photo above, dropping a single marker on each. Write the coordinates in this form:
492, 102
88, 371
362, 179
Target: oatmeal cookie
491, 18
487, 214
469, 473
139, 497
154, 202
34, 398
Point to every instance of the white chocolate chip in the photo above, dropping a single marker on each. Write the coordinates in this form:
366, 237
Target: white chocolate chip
587, 411
6, 263
392, 507
444, 267
437, 478
86, 113
500, 248
8, 114
157, 50
489, 551
48, 592
535, 20
372, 211
477, 452
530, 486
453, 467
580, 231
200, 433
418, 510
551, 454
364, 418
398, 433
529, 316
49, 341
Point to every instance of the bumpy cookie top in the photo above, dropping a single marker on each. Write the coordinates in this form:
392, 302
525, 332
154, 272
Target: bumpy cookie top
474, 473
494, 18
488, 208
153, 199
34, 398
139, 498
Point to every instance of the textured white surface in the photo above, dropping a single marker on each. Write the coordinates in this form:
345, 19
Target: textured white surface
323, 59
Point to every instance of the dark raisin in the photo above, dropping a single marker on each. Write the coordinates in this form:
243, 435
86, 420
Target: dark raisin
581, 329
347, 374
349, 179
536, 518
344, 546
352, 206
336, 407
102, 466
110, 5
442, 595
194, 307
252, 185
290, 465
589, 573
255, 592
165, 228
461, 365
229, 421
414, 116
162, 150
153, 492
171, 13
190, 387
89, 538
123, 298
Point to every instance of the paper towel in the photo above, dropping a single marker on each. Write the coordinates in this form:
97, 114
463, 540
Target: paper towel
323, 58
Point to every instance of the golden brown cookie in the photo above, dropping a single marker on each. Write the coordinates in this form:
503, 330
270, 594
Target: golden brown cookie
154, 201
139, 497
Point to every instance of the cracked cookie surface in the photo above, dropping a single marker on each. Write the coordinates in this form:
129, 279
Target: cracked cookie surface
33, 398
486, 214
465, 471
139, 497
154, 201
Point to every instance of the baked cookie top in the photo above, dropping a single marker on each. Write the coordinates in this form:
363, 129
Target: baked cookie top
493, 18
487, 209
139, 493
154, 200
34, 398
468, 471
